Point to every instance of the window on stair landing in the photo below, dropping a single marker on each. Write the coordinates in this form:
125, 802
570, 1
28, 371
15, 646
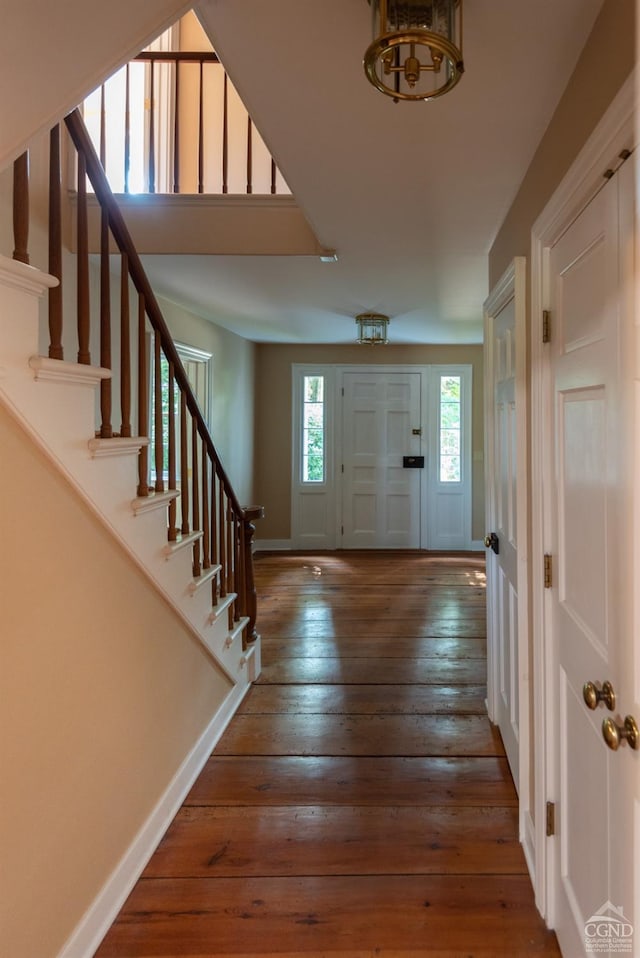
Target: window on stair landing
197, 365
313, 429
450, 429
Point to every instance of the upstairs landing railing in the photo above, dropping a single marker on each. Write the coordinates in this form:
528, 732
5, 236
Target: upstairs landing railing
182, 452
198, 136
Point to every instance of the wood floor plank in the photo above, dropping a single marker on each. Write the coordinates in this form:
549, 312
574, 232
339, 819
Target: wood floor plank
387, 916
366, 699
294, 626
339, 840
284, 734
347, 603
360, 803
350, 646
352, 609
315, 780
369, 671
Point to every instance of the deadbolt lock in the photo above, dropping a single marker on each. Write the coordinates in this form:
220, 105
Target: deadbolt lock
593, 696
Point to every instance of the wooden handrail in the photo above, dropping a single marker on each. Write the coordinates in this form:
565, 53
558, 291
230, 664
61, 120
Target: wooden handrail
178, 56
223, 540
122, 237
206, 491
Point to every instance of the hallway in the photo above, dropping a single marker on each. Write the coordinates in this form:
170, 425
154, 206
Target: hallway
360, 802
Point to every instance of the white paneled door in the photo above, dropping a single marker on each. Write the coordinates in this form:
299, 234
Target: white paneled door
591, 599
381, 425
506, 419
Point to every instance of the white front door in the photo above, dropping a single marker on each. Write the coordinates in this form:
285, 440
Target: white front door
590, 603
381, 424
506, 423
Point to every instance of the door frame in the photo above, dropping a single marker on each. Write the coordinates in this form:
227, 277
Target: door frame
511, 287
586, 176
332, 488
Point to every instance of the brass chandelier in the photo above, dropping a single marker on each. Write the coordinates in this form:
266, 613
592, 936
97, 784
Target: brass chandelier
372, 329
416, 53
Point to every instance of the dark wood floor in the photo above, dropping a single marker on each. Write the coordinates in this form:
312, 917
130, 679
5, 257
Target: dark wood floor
360, 803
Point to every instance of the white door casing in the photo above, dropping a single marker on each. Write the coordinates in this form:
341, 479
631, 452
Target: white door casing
442, 512
506, 516
585, 502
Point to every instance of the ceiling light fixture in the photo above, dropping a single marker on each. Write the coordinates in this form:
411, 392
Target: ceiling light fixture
372, 329
402, 31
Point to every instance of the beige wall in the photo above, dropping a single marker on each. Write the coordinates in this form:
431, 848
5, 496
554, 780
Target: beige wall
273, 418
232, 425
103, 693
605, 63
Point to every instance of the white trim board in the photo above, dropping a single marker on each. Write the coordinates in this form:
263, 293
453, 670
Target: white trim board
272, 545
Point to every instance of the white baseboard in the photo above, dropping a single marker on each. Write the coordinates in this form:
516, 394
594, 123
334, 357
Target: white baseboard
97, 920
286, 545
272, 545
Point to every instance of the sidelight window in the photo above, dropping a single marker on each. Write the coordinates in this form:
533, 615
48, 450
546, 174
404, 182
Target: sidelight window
313, 429
450, 432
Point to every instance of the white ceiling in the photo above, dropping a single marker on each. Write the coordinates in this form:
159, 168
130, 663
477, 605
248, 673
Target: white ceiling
411, 195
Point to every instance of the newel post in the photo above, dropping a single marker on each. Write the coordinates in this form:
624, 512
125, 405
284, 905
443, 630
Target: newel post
251, 513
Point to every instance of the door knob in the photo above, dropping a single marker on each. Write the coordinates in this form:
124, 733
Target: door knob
613, 734
491, 542
592, 695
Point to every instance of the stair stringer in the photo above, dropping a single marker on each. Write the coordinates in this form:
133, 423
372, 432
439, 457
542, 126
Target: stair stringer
55, 403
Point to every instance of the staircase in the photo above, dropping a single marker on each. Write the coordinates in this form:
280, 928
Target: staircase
55, 402
113, 724
201, 563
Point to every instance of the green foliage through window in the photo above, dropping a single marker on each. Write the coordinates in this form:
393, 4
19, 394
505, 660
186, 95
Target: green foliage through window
313, 429
450, 429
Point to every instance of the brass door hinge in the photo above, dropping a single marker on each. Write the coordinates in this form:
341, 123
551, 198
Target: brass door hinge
551, 819
546, 326
548, 572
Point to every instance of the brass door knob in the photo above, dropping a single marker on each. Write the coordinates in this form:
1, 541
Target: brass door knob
593, 696
491, 541
614, 734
